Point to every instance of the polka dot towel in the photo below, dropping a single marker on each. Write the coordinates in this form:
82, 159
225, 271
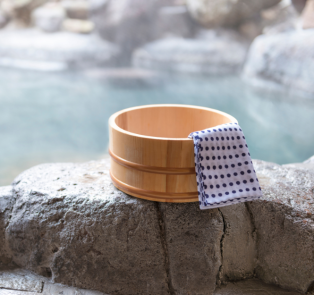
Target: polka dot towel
224, 171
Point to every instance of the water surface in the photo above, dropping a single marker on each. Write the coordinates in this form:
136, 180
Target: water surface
63, 117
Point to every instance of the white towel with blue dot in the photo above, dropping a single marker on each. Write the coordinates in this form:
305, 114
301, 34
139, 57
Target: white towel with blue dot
224, 170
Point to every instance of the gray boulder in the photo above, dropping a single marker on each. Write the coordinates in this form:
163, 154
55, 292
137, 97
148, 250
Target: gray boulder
213, 52
6, 205
239, 254
309, 161
282, 61
49, 17
19, 279
284, 223
211, 13
35, 50
68, 223
306, 165
192, 239
133, 23
174, 21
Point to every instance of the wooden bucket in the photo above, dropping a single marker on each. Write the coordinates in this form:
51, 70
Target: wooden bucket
151, 156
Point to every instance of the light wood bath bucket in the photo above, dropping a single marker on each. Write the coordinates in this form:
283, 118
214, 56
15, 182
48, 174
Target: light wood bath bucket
151, 156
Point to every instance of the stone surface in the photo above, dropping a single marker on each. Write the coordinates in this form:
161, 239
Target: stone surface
6, 205
213, 13
282, 61
77, 9
33, 49
17, 280
309, 161
69, 223
280, 18
175, 21
213, 52
244, 287
238, 244
284, 222
20, 280
131, 23
49, 17
251, 287
192, 241
307, 164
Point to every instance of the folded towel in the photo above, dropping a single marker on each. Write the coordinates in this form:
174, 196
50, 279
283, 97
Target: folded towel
224, 170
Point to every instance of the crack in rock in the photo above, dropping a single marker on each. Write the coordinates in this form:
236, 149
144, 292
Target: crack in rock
220, 272
163, 240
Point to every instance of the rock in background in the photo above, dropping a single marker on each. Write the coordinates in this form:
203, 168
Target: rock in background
132, 23
49, 17
213, 52
282, 60
226, 12
33, 49
149, 31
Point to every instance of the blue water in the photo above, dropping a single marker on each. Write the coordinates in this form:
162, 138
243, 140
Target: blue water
63, 117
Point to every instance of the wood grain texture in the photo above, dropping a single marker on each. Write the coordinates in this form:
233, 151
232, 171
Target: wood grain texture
151, 156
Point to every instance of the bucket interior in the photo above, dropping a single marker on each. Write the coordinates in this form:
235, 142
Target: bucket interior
169, 121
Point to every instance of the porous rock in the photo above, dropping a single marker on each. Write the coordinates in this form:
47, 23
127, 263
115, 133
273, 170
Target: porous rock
132, 23
6, 205
282, 60
20, 280
306, 165
70, 223
192, 239
238, 244
284, 222
15, 281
